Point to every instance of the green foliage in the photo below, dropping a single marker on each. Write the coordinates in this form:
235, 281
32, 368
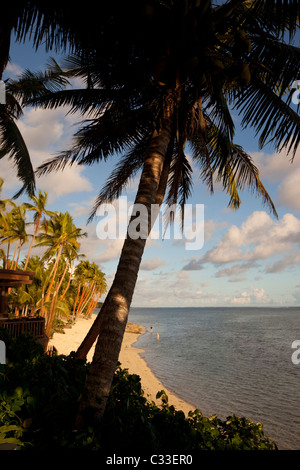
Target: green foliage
38, 405
58, 326
11, 425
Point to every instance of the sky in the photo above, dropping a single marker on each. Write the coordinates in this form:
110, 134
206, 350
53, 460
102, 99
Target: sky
248, 257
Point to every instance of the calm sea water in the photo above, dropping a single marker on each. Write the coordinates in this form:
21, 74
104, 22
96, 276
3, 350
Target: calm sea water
229, 360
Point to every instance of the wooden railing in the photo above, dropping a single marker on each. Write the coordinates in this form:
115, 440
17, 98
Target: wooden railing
17, 326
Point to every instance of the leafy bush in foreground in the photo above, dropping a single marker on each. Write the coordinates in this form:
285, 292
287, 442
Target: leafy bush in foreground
38, 403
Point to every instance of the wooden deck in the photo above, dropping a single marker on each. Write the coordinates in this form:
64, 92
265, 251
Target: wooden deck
17, 326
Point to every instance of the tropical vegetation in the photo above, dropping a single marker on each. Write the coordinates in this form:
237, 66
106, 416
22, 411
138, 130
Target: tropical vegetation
39, 397
63, 286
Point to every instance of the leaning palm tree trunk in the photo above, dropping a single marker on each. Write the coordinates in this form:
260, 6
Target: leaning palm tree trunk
76, 300
37, 227
52, 311
68, 284
118, 300
54, 270
93, 332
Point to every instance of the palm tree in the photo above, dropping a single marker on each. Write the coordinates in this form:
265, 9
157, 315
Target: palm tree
79, 279
94, 285
16, 232
71, 257
61, 236
173, 81
36, 289
39, 207
6, 220
4, 202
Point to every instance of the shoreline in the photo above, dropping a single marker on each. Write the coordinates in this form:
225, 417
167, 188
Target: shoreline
129, 358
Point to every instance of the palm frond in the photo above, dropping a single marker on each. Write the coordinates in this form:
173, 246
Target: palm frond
125, 170
197, 132
114, 132
33, 85
84, 101
275, 61
179, 184
280, 17
56, 163
268, 113
238, 173
13, 146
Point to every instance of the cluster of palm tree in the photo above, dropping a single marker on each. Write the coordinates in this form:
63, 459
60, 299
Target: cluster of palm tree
59, 288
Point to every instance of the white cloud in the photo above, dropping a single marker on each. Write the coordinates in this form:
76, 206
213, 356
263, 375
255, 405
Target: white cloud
70, 180
112, 250
42, 128
236, 269
180, 287
278, 168
81, 209
12, 70
258, 238
237, 279
151, 264
47, 132
255, 296
289, 191
97, 250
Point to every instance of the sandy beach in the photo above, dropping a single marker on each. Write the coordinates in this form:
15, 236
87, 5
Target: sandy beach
129, 358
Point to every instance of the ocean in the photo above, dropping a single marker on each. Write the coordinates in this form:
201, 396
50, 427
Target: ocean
228, 361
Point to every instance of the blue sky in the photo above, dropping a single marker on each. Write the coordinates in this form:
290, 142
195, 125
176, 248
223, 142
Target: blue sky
248, 258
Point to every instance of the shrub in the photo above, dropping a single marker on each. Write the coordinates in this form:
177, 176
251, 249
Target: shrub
39, 400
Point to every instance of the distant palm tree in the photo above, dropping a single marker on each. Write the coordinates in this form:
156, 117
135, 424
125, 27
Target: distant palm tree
71, 256
39, 207
94, 284
60, 235
4, 202
80, 273
5, 221
16, 232
173, 80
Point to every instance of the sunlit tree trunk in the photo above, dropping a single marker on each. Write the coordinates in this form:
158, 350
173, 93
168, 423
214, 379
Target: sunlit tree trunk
118, 300
54, 273
81, 300
76, 300
37, 226
52, 311
93, 304
14, 255
87, 297
68, 284
17, 260
93, 332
